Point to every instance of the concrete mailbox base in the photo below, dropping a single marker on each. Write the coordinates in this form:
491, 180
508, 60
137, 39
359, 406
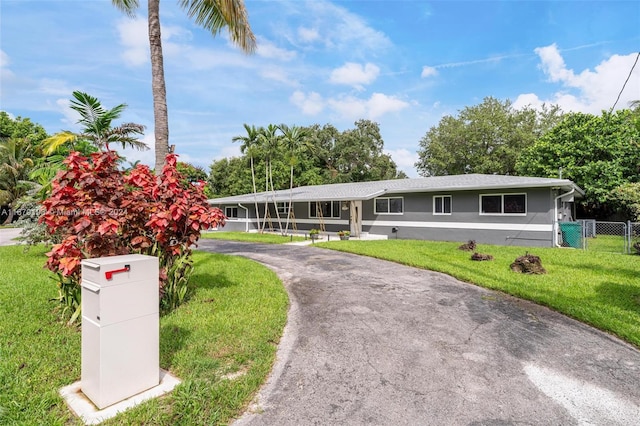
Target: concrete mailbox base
82, 407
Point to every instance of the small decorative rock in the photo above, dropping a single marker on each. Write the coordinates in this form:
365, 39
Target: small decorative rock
481, 257
470, 246
528, 264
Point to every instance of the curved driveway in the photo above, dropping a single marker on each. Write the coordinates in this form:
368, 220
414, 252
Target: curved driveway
373, 342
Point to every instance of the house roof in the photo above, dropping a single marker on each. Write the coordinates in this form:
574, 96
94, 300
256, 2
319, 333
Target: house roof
368, 190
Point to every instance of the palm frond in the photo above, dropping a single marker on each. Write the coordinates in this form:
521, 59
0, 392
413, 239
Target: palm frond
129, 7
124, 134
88, 107
214, 15
52, 143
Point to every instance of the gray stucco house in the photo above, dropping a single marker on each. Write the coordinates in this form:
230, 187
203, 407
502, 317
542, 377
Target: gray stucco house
491, 209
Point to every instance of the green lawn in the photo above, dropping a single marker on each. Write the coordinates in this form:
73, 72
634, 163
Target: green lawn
232, 324
601, 289
250, 237
606, 243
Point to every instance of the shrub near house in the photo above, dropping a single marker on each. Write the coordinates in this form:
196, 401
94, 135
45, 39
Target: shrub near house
100, 211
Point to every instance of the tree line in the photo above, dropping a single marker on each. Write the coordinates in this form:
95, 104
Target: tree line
600, 153
280, 157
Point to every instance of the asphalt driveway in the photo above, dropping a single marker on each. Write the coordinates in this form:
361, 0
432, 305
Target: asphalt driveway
373, 342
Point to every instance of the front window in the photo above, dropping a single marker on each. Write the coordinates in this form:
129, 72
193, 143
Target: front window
330, 209
503, 204
389, 205
231, 212
442, 204
283, 208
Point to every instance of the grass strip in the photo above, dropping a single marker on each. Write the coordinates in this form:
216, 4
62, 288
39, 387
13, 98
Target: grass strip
232, 324
251, 237
600, 289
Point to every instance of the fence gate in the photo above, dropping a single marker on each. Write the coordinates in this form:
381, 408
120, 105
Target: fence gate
612, 237
634, 237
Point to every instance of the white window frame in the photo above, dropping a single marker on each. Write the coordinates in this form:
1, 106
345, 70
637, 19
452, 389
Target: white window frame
282, 207
443, 213
502, 213
226, 211
375, 206
333, 203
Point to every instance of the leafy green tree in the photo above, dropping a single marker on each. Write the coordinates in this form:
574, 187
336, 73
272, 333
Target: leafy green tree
229, 176
19, 155
191, 173
599, 153
354, 155
321, 155
628, 198
358, 154
16, 163
213, 16
485, 138
21, 128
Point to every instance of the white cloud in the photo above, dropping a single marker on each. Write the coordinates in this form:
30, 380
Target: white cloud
380, 104
404, 158
310, 104
70, 116
337, 28
278, 74
428, 72
267, 49
308, 35
376, 106
206, 58
227, 151
134, 37
588, 91
55, 87
356, 75
5, 72
349, 107
4, 59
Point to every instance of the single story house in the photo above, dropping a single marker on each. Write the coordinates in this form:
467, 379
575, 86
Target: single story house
490, 209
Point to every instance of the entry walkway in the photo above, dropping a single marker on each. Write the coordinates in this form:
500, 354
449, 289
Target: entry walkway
373, 342
8, 235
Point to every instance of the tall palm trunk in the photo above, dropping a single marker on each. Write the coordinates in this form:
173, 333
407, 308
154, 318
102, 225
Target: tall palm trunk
255, 196
273, 192
286, 228
266, 191
161, 118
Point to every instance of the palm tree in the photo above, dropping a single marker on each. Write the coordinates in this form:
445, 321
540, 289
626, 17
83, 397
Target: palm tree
97, 129
293, 137
249, 145
212, 15
270, 141
15, 164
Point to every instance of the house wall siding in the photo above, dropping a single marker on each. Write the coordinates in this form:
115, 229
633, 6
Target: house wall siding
418, 221
465, 221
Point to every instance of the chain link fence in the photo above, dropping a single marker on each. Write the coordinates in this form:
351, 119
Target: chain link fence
634, 237
592, 235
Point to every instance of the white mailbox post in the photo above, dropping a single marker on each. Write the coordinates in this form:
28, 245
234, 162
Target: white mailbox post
120, 327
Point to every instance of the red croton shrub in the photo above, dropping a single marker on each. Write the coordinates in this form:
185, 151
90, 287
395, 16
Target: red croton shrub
102, 211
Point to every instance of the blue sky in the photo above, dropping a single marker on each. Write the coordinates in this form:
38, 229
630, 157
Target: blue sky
403, 64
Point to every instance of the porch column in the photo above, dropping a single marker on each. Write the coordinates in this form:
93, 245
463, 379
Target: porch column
355, 218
